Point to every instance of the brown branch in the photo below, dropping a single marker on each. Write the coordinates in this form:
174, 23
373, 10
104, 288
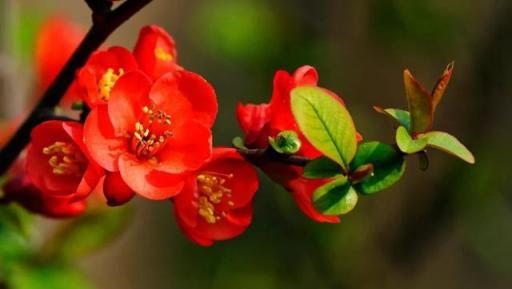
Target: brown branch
257, 156
104, 23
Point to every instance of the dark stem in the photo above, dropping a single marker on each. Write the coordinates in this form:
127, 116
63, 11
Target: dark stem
261, 155
104, 23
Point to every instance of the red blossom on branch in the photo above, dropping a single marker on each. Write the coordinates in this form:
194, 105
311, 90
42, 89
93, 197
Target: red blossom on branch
216, 201
58, 163
259, 122
153, 133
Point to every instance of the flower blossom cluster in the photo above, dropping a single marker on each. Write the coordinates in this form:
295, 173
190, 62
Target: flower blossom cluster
148, 134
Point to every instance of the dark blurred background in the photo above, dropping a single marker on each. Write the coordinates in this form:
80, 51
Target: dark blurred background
449, 227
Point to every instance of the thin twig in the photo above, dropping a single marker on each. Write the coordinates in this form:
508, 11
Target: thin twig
256, 156
103, 25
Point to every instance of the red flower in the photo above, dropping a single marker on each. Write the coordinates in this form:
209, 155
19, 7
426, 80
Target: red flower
101, 72
23, 192
259, 122
216, 201
155, 52
153, 133
55, 43
58, 163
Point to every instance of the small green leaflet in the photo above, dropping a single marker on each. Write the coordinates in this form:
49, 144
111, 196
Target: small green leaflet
388, 166
407, 144
335, 198
403, 117
321, 168
449, 144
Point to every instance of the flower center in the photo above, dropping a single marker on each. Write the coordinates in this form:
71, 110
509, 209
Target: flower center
107, 81
163, 55
212, 190
151, 133
65, 159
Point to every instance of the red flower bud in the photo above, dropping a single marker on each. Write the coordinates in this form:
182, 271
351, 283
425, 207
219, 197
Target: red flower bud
216, 201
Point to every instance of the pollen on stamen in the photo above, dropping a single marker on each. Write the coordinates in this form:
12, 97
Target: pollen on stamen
149, 136
107, 82
65, 159
163, 55
212, 192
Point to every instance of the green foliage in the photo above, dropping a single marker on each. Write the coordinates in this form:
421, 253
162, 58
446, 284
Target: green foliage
420, 104
90, 232
407, 144
326, 123
335, 198
388, 166
286, 142
403, 117
47, 276
449, 144
320, 168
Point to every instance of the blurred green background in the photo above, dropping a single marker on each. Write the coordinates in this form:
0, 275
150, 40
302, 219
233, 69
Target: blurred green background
450, 227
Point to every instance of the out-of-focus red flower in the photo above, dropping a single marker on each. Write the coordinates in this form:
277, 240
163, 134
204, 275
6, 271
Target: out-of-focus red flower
102, 70
216, 201
55, 43
152, 134
23, 192
259, 122
155, 52
58, 163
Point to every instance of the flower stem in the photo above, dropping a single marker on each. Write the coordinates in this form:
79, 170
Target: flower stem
104, 23
257, 156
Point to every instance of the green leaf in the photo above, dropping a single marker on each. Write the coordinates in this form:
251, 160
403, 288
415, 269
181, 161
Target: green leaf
407, 144
335, 198
403, 117
449, 144
15, 218
47, 276
286, 142
420, 104
325, 122
90, 232
321, 168
238, 143
388, 166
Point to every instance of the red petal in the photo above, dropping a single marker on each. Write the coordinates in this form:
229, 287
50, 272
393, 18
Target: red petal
101, 142
187, 149
128, 97
244, 182
305, 75
254, 120
115, 58
116, 190
154, 39
141, 177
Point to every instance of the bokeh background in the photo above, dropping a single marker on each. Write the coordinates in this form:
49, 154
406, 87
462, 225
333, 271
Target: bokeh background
449, 227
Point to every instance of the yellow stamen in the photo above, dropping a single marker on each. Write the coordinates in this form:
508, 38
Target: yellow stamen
107, 81
163, 55
65, 159
212, 191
